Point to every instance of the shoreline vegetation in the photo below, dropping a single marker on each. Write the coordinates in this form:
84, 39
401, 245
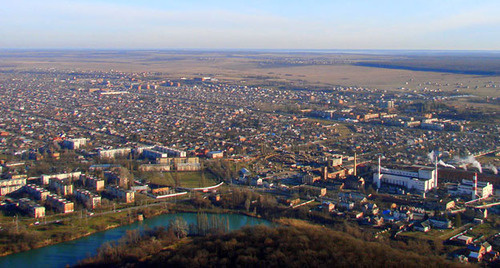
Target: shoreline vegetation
294, 243
24, 239
249, 203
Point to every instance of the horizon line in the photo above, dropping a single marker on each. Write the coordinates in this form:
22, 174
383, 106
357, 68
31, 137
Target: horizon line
252, 49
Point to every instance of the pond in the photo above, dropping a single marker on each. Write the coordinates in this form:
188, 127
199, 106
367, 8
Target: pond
62, 254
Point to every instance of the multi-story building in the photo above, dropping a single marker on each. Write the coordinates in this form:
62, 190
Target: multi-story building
88, 198
310, 178
472, 188
74, 144
334, 161
4, 190
188, 167
36, 192
95, 184
32, 208
124, 195
156, 152
61, 187
45, 179
10, 185
418, 178
215, 154
60, 204
312, 190
112, 153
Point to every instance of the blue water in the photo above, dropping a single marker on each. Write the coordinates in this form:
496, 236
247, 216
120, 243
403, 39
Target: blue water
71, 252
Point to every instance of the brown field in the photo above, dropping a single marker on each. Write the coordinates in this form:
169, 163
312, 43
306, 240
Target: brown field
247, 68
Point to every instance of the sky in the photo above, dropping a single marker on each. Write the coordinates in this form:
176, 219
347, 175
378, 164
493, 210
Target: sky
259, 24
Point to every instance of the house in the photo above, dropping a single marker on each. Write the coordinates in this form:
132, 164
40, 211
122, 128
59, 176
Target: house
479, 248
487, 247
475, 256
463, 239
423, 226
348, 205
440, 223
371, 208
328, 206
377, 221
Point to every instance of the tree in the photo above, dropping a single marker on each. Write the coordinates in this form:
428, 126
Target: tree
458, 220
180, 227
247, 205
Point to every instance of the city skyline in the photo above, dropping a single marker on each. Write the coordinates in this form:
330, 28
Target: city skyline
433, 25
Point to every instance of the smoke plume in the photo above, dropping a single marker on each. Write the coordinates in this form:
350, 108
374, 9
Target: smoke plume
442, 163
432, 157
492, 168
463, 161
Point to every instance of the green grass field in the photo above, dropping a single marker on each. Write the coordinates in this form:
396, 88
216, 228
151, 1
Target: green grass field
188, 179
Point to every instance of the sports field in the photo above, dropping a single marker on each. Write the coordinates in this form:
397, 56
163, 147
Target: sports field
188, 179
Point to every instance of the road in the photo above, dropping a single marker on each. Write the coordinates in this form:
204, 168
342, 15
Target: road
80, 214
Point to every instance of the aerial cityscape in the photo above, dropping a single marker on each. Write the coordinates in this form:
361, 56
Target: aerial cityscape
333, 147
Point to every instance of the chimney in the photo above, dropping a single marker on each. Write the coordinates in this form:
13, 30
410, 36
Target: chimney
355, 164
474, 187
436, 172
378, 176
324, 173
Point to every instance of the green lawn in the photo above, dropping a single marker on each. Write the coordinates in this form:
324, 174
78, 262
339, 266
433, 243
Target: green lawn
188, 179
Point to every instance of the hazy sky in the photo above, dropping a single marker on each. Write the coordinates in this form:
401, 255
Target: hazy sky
260, 24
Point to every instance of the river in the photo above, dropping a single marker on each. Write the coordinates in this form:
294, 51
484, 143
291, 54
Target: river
62, 254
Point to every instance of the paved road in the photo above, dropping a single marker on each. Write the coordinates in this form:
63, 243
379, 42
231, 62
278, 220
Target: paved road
80, 214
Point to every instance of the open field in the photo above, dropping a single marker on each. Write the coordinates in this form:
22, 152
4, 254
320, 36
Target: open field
301, 70
188, 179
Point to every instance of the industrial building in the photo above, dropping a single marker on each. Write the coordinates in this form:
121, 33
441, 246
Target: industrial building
471, 188
418, 178
312, 190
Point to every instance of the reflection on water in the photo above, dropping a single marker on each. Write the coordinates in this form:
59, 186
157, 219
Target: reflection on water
60, 255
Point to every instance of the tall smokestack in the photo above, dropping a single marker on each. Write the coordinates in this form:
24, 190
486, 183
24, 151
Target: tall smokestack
355, 165
324, 173
474, 188
379, 175
379, 167
436, 172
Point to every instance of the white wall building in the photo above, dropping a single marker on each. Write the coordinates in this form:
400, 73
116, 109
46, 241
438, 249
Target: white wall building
466, 188
112, 153
75, 144
45, 179
154, 152
421, 179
